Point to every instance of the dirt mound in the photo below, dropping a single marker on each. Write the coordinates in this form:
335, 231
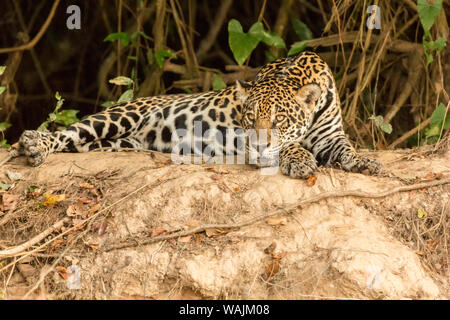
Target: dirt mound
134, 225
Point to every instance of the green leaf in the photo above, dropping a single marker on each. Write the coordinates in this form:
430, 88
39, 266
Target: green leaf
298, 47
2, 89
122, 36
428, 12
2, 69
57, 96
162, 54
108, 104
302, 30
4, 126
380, 123
121, 81
268, 37
269, 55
218, 83
126, 96
242, 44
66, 117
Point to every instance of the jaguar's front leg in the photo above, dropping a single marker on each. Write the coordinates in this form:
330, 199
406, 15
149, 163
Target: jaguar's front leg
297, 162
344, 156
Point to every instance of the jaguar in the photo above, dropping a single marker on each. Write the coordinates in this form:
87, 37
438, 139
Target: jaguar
292, 99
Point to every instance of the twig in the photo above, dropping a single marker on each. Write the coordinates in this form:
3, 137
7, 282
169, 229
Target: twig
26, 245
316, 198
210, 38
409, 133
38, 36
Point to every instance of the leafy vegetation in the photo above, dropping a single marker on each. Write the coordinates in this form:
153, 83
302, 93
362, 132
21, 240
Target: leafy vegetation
388, 89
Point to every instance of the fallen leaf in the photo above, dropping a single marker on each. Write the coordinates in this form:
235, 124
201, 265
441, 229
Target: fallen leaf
272, 269
4, 186
278, 255
9, 201
51, 199
13, 175
94, 209
270, 249
75, 210
237, 189
198, 238
434, 243
102, 227
216, 176
422, 213
157, 231
311, 180
56, 243
433, 176
211, 232
86, 186
223, 231
420, 253
62, 271
277, 221
185, 239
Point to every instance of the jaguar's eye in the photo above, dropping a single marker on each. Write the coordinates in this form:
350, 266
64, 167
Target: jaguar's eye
251, 116
280, 117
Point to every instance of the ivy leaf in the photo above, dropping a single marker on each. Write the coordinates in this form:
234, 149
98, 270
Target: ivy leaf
162, 54
121, 81
301, 30
218, 83
122, 36
126, 96
2, 69
298, 47
242, 44
428, 12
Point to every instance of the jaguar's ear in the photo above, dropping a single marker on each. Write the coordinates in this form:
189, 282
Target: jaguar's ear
308, 95
242, 88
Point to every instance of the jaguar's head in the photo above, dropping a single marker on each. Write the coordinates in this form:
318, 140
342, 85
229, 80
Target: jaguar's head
274, 114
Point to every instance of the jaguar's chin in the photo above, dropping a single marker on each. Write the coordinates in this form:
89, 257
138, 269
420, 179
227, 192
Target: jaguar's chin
263, 160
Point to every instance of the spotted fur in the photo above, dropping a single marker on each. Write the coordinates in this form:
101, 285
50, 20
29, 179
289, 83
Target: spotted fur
294, 99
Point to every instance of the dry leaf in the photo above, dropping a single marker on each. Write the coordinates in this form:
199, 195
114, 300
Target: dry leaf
102, 227
9, 201
272, 269
94, 209
270, 249
75, 210
278, 255
62, 271
185, 239
223, 231
420, 253
237, 189
211, 232
277, 221
198, 238
86, 186
51, 199
311, 180
216, 176
157, 231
